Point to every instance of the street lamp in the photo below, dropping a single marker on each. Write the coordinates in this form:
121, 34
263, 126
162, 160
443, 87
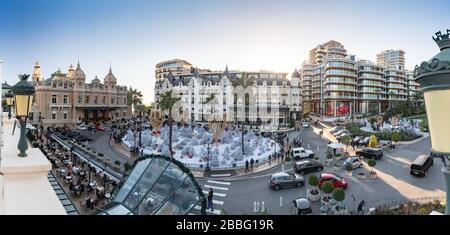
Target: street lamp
23, 99
208, 149
9, 102
434, 79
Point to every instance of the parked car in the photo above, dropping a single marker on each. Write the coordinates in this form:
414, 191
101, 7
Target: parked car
307, 166
91, 128
71, 134
100, 128
336, 180
286, 179
372, 153
82, 127
83, 138
301, 206
364, 141
305, 124
336, 129
421, 165
339, 137
341, 132
301, 153
354, 162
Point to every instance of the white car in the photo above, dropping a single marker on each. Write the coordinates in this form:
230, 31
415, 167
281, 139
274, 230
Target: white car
305, 124
354, 162
341, 132
301, 153
82, 127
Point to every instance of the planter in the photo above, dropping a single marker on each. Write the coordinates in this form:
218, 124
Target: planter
361, 176
325, 200
373, 175
329, 161
311, 197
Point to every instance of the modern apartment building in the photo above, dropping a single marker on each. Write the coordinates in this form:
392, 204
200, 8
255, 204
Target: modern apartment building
392, 59
67, 99
269, 96
335, 84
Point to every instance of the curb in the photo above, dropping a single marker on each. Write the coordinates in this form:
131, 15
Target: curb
118, 152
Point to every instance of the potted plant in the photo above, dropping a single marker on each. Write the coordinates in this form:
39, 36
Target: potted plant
316, 158
339, 196
313, 194
327, 188
329, 158
372, 173
117, 163
348, 167
361, 175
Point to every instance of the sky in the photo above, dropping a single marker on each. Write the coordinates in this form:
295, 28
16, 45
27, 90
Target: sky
134, 35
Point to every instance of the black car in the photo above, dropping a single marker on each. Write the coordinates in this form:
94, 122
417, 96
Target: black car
83, 138
372, 153
421, 165
71, 134
307, 166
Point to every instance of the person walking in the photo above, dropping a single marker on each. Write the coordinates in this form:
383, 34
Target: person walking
246, 166
360, 207
210, 199
251, 162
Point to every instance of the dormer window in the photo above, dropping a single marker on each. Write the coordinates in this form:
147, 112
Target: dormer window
65, 85
54, 85
284, 84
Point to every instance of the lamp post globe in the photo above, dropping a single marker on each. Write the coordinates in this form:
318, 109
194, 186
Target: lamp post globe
433, 77
23, 92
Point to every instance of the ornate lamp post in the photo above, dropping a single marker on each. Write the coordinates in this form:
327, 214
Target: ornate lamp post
9, 102
208, 148
434, 79
23, 99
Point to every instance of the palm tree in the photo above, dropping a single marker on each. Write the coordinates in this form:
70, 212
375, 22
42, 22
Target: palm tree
244, 82
417, 98
209, 99
134, 97
166, 103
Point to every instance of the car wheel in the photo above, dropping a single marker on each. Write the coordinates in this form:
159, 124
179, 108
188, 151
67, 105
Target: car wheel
277, 187
311, 156
299, 184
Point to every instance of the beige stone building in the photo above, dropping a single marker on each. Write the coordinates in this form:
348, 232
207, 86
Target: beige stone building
68, 99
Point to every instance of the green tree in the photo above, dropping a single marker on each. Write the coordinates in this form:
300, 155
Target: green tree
345, 140
327, 187
166, 103
338, 194
373, 141
395, 136
372, 163
313, 180
134, 97
417, 98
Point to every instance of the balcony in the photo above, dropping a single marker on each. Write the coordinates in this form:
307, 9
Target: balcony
24, 186
60, 105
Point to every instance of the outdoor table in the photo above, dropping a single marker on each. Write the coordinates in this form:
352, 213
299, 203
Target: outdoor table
92, 184
75, 169
108, 196
62, 171
100, 188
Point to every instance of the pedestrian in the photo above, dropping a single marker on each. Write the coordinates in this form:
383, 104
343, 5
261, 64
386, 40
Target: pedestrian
210, 199
301, 142
360, 207
334, 151
251, 162
246, 166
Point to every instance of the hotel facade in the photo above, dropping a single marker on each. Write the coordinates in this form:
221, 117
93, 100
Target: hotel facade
269, 97
67, 99
335, 84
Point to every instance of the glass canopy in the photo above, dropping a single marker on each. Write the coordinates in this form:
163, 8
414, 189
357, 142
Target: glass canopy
157, 186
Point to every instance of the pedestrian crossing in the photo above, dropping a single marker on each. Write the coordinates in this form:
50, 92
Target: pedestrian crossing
220, 188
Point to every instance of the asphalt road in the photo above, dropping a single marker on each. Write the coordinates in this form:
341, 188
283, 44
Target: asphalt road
394, 182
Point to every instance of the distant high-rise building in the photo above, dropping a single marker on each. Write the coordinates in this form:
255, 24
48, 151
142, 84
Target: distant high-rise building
392, 59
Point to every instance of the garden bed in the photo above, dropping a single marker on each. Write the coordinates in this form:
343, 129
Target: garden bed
354, 129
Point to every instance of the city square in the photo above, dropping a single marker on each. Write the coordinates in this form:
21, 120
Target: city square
349, 130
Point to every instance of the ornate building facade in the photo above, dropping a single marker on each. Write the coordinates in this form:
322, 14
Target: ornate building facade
67, 99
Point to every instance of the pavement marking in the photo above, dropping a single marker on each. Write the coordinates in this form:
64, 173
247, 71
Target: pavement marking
218, 182
215, 211
216, 194
218, 202
214, 187
220, 175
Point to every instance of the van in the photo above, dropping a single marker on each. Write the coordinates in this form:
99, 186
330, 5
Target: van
421, 165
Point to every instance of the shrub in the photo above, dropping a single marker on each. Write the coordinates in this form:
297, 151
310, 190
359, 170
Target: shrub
371, 163
373, 141
288, 158
313, 180
395, 136
327, 187
345, 139
348, 167
338, 194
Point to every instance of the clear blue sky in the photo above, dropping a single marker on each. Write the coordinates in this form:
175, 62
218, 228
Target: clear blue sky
245, 34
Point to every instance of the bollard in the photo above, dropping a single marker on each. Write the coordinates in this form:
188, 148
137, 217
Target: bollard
308, 145
254, 206
282, 167
257, 206
262, 206
281, 201
318, 149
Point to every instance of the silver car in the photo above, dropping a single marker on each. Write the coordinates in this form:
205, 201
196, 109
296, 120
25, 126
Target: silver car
286, 179
354, 162
301, 206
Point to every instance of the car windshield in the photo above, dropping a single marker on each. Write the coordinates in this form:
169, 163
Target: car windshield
416, 167
292, 176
